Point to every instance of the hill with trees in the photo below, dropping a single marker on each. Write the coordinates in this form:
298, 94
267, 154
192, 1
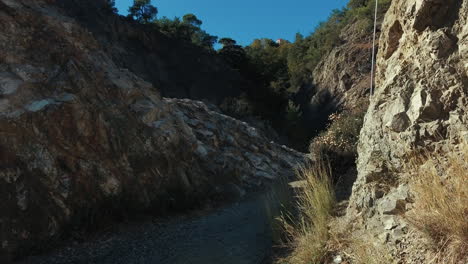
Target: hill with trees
287, 85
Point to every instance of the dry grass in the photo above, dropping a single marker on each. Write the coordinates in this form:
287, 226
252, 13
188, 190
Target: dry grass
440, 185
361, 250
364, 252
356, 246
308, 232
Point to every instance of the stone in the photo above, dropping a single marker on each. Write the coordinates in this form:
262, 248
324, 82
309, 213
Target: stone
399, 233
337, 259
409, 87
9, 83
389, 222
394, 202
400, 122
38, 105
342, 77
384, 237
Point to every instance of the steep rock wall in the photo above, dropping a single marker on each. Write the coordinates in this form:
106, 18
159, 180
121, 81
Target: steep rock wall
344, 74
83, 138
341, 80
420, 102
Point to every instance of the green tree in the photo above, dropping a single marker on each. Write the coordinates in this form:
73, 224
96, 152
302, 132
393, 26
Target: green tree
110, 4
356, 3
226, 42
191, 19
187, 29
142, 11
203, 39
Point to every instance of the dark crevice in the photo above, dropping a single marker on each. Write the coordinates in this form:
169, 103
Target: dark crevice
394, 35
437, 15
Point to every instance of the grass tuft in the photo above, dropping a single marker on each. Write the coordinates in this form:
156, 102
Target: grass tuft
308, 233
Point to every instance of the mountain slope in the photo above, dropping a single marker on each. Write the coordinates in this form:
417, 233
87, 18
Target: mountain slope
85, 140
176, 68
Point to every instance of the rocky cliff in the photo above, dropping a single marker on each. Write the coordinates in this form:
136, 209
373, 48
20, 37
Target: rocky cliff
420, 102
83, 138
341, 80
343, 76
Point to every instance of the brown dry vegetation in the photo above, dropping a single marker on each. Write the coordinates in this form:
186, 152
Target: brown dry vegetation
315, 235
358, 248
308, 233
440, 185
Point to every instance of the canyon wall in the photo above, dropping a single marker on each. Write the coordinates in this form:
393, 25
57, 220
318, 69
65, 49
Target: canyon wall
420, 103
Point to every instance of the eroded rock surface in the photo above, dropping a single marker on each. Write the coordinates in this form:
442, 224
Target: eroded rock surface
343, 76
341, 80
82, 138
420, 102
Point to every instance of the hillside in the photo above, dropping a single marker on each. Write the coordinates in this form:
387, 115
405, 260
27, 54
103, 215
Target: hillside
174, 67
87, 142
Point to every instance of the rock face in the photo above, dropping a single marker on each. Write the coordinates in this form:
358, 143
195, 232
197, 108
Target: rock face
420, 100
421, 85
342, 77
83, 138
344, 74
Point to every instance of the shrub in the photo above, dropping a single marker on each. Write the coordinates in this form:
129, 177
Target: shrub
293, 113
440, 185
315, 235
338, 143
307, 52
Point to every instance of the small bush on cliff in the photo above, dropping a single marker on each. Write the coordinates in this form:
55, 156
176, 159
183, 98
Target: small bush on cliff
440, 185
339, 142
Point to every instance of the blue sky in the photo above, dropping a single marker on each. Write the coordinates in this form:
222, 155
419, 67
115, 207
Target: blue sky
246, 20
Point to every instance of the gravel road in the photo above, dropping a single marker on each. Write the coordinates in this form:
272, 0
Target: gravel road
239, 233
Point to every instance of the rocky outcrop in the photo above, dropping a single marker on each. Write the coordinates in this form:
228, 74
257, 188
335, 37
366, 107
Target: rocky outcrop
341, 80
344, 74
420, 102
83, 138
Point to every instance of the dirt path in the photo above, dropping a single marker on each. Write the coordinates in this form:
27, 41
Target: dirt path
239, 233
